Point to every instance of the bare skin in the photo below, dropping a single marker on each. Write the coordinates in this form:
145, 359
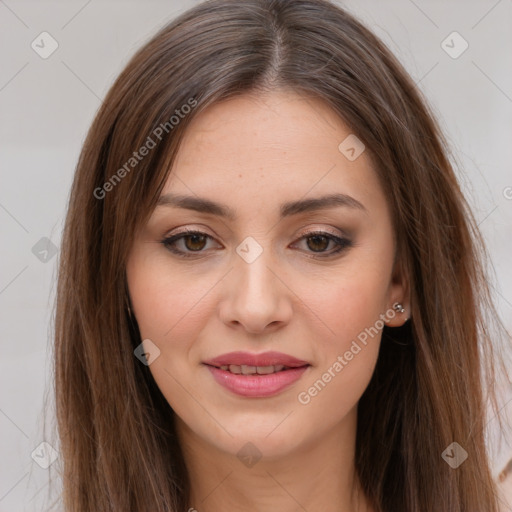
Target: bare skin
252, 154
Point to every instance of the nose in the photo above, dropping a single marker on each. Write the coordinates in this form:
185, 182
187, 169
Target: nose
256, 297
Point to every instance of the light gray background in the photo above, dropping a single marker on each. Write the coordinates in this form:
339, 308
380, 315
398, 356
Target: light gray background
48, 105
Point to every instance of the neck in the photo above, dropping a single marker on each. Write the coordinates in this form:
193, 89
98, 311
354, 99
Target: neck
317, 476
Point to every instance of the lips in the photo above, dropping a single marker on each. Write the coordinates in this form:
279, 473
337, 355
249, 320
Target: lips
264, 359
253, 370
256, 375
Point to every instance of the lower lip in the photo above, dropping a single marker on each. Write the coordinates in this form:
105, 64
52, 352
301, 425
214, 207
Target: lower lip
257, 385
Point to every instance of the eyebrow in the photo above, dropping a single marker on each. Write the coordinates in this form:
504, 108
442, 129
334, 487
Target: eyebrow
203, 205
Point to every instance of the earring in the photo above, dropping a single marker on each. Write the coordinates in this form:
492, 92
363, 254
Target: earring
398, 307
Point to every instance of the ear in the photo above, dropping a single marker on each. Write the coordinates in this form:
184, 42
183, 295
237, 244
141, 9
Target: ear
399, 294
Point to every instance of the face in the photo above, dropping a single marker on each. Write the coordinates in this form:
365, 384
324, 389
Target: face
270, 266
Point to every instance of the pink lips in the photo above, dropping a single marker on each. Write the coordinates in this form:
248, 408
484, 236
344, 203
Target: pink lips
257, 385
263, 359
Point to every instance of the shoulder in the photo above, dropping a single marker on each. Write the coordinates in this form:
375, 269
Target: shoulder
504, 485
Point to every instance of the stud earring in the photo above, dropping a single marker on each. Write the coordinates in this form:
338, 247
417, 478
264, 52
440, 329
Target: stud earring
398, 307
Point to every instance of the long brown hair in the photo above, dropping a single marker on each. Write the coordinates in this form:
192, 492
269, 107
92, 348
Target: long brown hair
118, 444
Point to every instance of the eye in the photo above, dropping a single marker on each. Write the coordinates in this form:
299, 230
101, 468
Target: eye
318, 242
193, 242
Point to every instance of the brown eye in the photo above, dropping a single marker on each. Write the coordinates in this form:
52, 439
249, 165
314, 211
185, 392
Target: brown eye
318, 243
195, 242
187, 243
324, 244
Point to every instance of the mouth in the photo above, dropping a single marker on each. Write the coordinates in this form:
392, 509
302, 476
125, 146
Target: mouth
255, 370
248, 363
256, 375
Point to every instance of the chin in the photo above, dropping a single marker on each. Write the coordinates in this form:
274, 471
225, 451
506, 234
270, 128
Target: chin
270, 439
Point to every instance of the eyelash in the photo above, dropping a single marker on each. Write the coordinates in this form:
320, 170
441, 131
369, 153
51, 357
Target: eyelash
342, 243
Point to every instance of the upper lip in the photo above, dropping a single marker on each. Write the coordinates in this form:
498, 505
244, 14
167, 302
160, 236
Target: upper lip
263, 359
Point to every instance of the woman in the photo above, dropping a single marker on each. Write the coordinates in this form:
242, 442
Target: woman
270, 292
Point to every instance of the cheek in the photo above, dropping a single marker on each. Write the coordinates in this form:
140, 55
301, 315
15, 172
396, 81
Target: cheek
337, 386
347, 355
349, 305
168, 304
171, 310
347, 302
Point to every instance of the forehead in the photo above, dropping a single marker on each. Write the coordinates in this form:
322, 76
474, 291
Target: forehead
264, 126
279, 144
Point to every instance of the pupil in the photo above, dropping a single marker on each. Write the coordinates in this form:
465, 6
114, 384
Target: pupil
318, 238
195, 239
